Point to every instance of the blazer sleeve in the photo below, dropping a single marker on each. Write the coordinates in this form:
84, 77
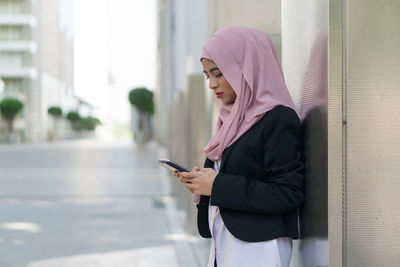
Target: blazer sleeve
280, 190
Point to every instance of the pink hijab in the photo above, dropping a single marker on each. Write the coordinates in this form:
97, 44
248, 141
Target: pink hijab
248, 61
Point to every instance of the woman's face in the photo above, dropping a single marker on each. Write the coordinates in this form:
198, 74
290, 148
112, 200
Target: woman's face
217, 82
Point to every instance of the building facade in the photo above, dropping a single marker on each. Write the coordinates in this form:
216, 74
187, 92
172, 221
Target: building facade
36, 61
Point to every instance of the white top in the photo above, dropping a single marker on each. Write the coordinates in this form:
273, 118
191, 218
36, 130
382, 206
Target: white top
232, 252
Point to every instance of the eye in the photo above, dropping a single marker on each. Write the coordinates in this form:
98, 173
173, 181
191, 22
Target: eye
218, 75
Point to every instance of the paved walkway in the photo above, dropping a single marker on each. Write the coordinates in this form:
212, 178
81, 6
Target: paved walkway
88, 203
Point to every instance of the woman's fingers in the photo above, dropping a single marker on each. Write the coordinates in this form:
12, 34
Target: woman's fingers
186, 180
190, 179
191, 187
195, 169
187, 174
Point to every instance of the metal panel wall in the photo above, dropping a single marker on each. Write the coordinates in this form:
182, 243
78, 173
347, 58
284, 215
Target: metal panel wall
363, 122
336, 131
304, 61
372, 196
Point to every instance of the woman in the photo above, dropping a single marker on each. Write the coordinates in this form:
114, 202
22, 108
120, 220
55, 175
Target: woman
251, 185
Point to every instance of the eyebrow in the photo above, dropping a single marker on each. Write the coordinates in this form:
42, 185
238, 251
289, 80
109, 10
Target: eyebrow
211, 70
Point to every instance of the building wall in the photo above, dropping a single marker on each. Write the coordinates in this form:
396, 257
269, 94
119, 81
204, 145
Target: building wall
16, 51
164, 85
304, 63
55, 59
350, 130
37, 65
262, 14
265, 15
181, 33
364, 106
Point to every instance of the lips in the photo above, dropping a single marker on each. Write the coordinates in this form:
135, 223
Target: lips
219, 95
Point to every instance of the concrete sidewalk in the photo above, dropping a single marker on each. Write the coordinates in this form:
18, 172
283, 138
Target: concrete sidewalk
191, 250
87, 204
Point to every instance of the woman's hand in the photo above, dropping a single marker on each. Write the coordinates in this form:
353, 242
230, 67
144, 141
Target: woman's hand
198, 181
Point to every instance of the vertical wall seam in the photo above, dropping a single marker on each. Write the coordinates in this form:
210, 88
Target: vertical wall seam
344, 131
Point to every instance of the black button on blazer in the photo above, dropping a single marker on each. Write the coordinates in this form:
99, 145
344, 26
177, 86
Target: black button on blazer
260, 183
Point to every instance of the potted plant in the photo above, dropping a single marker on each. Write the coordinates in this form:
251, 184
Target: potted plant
142, 103
73, 117
88, 123
9, 108
56, 114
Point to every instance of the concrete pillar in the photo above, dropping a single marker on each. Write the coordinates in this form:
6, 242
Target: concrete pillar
197, 134
177, 145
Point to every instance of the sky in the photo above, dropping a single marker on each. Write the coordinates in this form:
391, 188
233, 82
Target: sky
114, 39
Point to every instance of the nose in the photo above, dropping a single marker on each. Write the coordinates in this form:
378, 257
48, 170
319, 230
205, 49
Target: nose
212, 83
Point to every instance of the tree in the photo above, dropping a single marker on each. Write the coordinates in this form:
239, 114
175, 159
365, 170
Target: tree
9, 108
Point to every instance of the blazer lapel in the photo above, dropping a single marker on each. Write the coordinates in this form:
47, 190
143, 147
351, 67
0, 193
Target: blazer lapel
225, 155
210, 164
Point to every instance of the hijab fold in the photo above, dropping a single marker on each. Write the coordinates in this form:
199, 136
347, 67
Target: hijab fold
248, 60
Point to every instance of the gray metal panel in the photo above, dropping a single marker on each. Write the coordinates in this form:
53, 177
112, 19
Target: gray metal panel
336, 82
304, 60
363, 122
373, 125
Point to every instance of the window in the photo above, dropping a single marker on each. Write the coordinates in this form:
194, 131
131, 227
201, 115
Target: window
15, 33
3, 32
4, 7
16, 6
11, 33
11, 59
11, 6
13, 85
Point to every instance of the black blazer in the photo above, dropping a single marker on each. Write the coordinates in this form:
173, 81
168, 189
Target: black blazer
260, 183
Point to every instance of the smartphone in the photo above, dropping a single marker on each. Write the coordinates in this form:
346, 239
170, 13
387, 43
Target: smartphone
173, 166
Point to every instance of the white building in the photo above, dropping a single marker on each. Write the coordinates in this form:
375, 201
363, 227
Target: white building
36, 61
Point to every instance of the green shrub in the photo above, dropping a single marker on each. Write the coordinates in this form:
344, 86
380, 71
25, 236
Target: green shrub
142, 99
88, 123
98, 122
10, 107
54, 111
73, 116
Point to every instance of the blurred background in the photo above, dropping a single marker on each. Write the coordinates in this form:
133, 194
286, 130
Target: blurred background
94, 92
53, 55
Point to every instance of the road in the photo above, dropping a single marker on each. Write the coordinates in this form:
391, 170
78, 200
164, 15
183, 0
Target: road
88, 203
